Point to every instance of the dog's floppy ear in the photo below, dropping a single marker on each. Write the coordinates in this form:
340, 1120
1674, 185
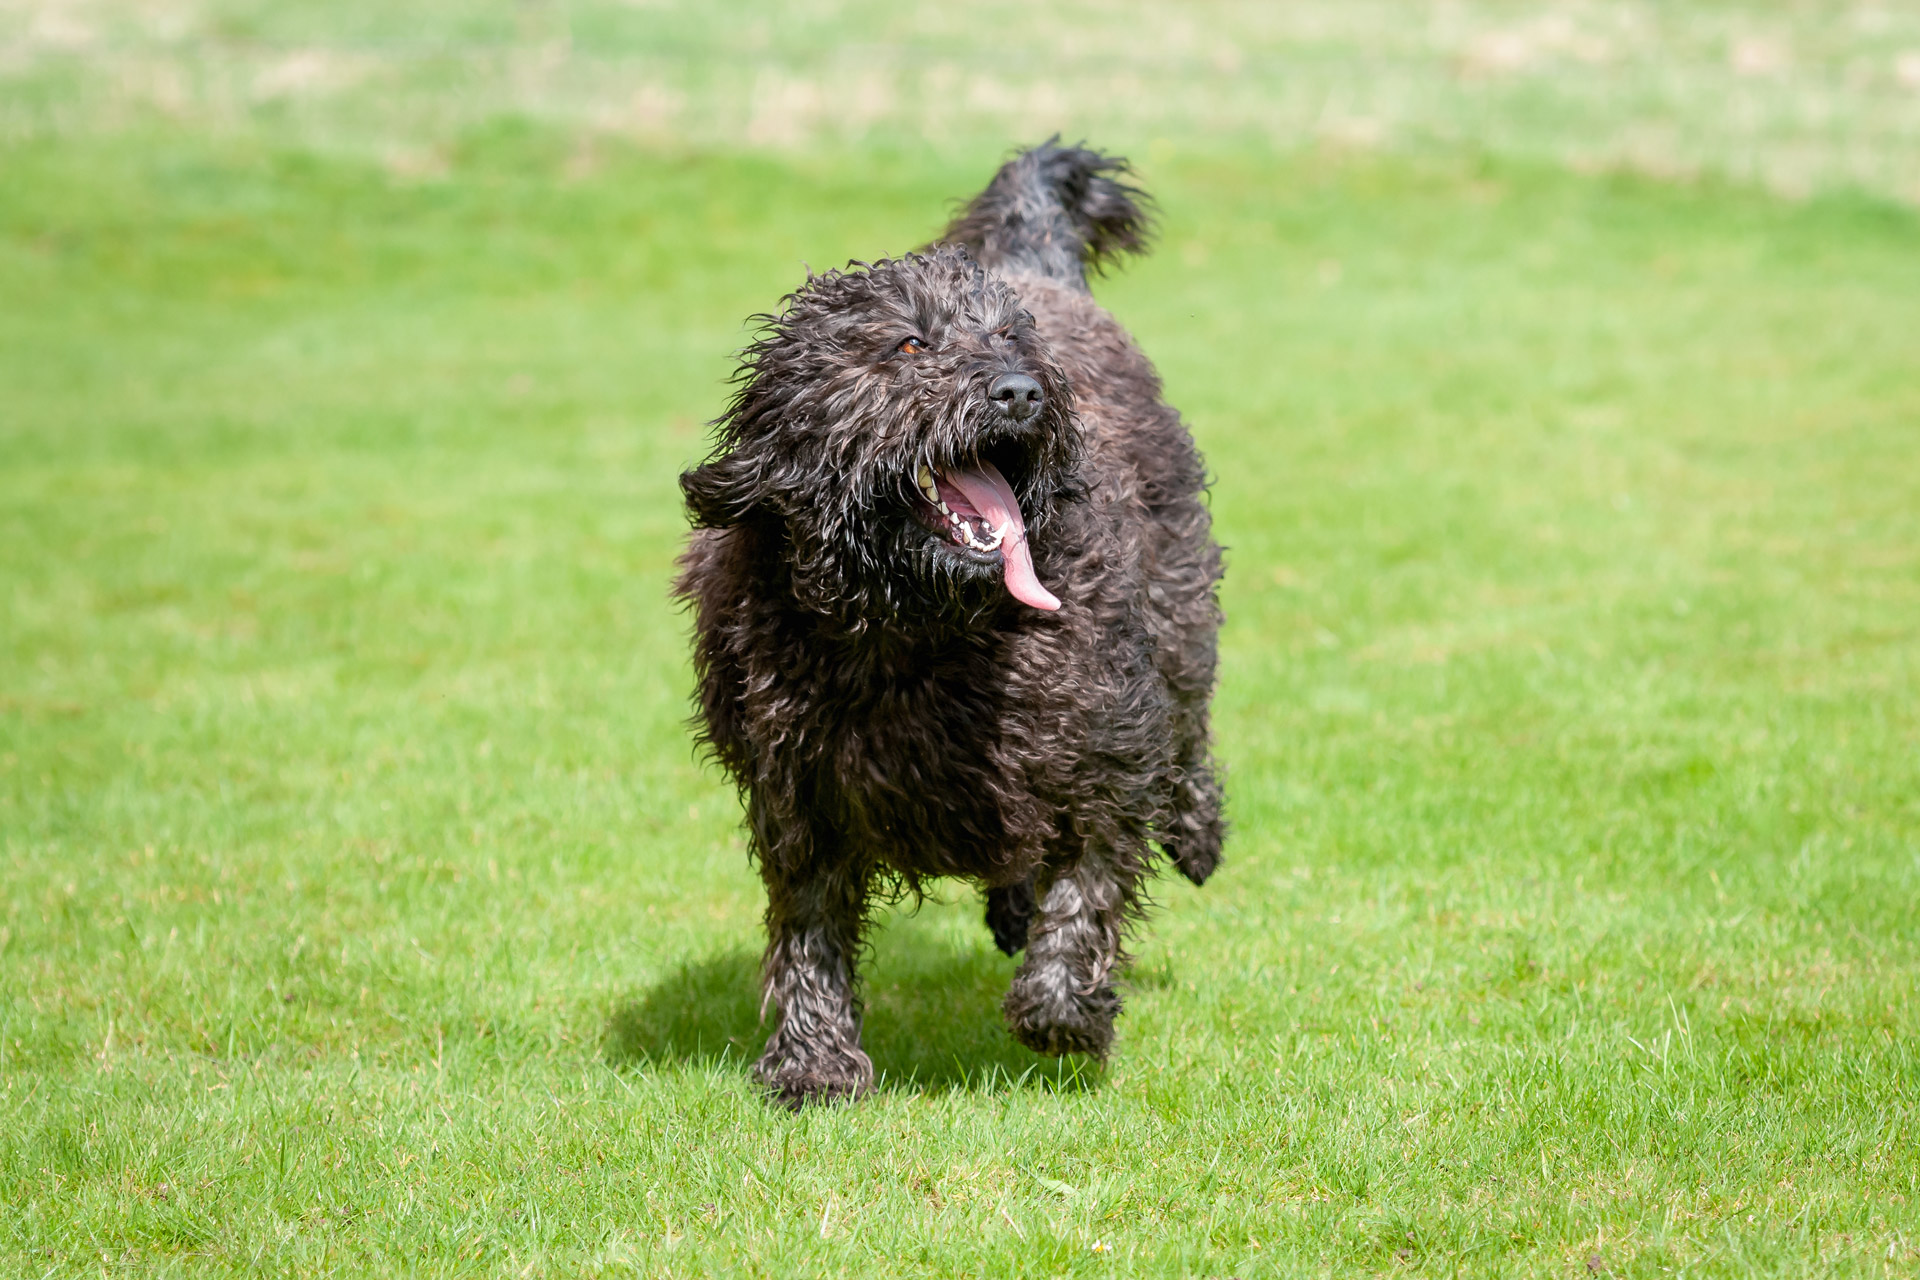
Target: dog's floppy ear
724, 490
734, 481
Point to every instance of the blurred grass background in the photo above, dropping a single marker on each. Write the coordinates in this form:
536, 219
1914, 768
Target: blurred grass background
1794, 97
366, 912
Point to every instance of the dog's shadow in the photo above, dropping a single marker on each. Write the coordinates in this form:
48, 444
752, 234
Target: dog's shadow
932, 1016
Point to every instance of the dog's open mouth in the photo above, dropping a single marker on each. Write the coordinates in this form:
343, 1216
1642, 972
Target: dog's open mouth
975, 509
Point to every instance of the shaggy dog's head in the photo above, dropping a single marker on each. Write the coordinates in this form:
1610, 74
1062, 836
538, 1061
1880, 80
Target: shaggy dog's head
902, 430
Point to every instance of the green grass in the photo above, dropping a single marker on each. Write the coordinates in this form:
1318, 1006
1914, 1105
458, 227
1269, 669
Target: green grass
365, 909
1793, 96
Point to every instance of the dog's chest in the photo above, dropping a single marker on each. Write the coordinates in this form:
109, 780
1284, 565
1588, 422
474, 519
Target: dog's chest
912, 765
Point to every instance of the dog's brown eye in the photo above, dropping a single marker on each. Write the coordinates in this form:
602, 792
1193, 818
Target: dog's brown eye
911, 347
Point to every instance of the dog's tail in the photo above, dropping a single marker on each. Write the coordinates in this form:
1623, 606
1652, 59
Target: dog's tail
1055, 211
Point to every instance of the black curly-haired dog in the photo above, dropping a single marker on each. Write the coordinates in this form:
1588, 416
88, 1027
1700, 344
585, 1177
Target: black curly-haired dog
954, 587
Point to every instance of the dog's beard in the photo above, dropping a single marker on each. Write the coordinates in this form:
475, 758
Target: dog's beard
974, 509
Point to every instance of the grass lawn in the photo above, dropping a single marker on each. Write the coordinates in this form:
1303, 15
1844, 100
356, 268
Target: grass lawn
365, 910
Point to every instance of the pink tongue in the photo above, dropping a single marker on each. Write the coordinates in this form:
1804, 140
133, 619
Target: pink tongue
992, 497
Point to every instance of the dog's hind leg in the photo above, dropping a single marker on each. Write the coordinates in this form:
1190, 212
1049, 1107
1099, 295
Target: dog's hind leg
815, 916
1195, 830
1062, 999
1010, 911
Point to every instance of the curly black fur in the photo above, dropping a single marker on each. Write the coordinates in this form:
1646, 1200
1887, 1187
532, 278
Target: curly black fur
889, 711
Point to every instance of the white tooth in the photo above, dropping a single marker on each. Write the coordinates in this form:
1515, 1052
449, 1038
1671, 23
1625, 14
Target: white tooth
974, 541
943, 507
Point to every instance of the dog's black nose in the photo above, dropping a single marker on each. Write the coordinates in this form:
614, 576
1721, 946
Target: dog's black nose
1018, 394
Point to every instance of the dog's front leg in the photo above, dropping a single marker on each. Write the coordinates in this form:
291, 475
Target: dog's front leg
1062, 999
815, 913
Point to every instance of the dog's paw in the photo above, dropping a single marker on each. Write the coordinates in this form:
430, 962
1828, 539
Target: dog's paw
1083, 1024
794, 1081
1194, 845
1009, 913
1196, 861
